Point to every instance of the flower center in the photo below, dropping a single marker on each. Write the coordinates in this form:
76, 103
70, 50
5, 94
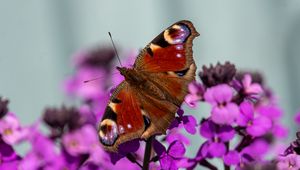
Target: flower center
73, 143
250, 123
8, 132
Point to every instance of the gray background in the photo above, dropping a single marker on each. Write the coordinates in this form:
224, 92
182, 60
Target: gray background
37, 38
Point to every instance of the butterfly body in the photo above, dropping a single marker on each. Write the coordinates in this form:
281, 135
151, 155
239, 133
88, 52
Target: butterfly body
145, 103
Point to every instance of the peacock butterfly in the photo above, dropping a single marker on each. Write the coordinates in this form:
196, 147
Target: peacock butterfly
145, 103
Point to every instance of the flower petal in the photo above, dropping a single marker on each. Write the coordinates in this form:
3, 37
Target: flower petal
190, 123
176, 149
232, 158
208, 129
217, 149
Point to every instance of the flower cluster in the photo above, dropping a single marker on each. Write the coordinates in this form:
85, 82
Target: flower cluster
241, 129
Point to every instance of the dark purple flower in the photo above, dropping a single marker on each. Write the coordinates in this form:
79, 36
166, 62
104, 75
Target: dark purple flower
7, 153
216, 135
65, 118
3, 107
196, 92
289, 162
219, 74
255, 125
100, 57
224, 111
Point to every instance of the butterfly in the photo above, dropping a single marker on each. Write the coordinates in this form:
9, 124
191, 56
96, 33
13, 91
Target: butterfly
146, 102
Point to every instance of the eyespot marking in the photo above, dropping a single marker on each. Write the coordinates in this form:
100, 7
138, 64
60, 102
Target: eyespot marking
177, 34
108, 132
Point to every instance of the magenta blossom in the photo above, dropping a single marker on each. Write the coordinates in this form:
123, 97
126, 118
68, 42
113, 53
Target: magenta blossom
297, 118
256, 125
189, 122
248, 89
224, 111
196, 92
11, 130
80, 141
169, 158
217, 135
75, 86
289, 162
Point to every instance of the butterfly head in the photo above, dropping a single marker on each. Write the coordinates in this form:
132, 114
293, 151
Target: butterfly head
131, 75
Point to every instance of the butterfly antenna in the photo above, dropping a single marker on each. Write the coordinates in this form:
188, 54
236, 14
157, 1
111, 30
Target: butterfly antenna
97, 78
115, 48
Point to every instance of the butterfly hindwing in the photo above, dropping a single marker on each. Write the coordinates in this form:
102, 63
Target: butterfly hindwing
122, 120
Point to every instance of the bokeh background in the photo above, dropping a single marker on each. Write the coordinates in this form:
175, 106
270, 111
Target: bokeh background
38, 38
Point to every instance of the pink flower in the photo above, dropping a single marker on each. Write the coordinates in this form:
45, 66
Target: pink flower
224, 111
289, 162
196, 92
11, 130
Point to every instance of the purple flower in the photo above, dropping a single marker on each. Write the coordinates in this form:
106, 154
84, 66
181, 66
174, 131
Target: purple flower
80, 140
92, 90
289, 162
256, 150
297, 118
169, 158
224, 111
11, 130
189, 122
279, 130
255, 126
7, 153
216, 136
196, 92
174, 135
231, 158
43, 152
270, 110
124, 149
248, 89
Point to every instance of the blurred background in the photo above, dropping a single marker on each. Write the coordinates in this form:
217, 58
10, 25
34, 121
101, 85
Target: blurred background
38, 38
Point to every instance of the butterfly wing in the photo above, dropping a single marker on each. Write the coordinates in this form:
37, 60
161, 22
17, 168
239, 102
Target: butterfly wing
171, 50
122, 120
168, 63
